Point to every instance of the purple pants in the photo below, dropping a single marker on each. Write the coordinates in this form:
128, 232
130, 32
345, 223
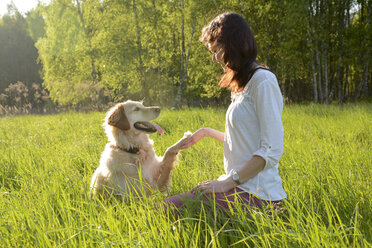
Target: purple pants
224, 201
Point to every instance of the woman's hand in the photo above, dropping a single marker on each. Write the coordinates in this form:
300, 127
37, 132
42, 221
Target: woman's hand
194, 138
215, 186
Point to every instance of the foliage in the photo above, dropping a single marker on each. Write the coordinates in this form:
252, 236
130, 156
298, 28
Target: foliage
47, 163
140, 48
18, 54
36, 23
320, 50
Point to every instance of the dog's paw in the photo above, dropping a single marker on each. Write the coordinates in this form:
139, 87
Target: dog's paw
187, 134
176, 147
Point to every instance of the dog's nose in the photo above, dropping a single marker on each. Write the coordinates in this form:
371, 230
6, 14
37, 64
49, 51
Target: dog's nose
157, 109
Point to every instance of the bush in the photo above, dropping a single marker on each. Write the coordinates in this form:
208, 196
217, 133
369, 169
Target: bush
19, 99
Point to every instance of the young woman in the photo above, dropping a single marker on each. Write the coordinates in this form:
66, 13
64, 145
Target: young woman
253, 138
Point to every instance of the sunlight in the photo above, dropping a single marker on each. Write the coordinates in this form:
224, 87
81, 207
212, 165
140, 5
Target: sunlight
23, 6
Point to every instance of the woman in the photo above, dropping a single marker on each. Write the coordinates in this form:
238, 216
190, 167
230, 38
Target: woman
253, 138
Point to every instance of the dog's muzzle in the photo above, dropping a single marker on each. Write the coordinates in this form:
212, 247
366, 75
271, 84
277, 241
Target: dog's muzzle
148, 127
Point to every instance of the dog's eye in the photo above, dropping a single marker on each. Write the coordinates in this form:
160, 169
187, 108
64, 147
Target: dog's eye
136, 109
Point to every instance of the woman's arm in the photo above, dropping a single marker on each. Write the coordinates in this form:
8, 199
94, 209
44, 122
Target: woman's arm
201, 133
249, 170
213, 133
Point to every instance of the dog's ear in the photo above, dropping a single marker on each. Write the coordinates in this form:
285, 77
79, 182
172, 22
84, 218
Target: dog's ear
119, 119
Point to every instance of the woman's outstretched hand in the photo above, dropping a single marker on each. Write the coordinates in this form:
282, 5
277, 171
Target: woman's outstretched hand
201, 133
194, 138
215, 186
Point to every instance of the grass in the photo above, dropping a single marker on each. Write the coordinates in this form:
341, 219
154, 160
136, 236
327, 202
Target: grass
46, 163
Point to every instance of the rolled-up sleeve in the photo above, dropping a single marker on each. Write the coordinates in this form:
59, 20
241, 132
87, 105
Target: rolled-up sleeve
268, 104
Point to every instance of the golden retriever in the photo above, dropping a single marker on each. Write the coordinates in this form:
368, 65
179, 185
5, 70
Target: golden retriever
129, 165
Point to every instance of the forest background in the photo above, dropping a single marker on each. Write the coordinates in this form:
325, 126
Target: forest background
88, 53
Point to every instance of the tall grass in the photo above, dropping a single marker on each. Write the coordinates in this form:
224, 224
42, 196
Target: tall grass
46, 163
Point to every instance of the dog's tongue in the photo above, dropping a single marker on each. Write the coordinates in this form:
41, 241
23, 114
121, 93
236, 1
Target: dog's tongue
158, 128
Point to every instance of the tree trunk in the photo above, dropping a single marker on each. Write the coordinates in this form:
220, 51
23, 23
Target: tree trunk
94, 74
323, 46
346, 92
268, 44
318, 26
315, 90
362, 88
173, 64
346, 84
367, 54
160, 84
325, 72
145, 90
178, 101
312, 48
92, 61
284, 91
341, 27
319, 65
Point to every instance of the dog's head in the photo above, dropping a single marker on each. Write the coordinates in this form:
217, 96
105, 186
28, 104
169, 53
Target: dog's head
133, 116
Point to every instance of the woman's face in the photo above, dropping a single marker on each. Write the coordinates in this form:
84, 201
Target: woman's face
217, 56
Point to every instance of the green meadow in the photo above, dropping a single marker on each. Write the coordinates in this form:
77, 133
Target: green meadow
46, 163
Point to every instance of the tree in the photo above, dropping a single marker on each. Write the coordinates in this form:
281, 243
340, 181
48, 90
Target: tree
35, 23
18, 55
68, 62
318, 49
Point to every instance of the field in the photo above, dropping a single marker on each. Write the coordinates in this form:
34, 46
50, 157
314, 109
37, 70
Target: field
46, 163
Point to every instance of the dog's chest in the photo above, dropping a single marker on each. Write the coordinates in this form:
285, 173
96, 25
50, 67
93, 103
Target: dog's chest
149, 163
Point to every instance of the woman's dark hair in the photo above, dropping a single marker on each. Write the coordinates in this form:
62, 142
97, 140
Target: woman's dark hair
230, 34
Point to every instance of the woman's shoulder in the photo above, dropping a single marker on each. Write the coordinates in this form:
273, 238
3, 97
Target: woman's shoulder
263, 75
259, 78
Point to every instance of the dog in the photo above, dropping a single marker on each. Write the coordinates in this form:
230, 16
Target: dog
129, 165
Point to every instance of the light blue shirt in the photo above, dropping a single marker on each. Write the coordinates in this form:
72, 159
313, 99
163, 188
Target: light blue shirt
254, 127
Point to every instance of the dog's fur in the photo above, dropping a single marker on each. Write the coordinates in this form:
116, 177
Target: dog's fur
129, 165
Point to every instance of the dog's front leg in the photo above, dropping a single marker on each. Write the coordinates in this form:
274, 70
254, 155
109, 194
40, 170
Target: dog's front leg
169, 159
166, 167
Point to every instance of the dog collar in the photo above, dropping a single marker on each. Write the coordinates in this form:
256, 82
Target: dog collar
133, 150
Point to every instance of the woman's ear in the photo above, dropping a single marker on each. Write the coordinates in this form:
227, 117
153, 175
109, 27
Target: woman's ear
119, 119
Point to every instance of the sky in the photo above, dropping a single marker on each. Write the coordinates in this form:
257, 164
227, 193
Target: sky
22, 5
